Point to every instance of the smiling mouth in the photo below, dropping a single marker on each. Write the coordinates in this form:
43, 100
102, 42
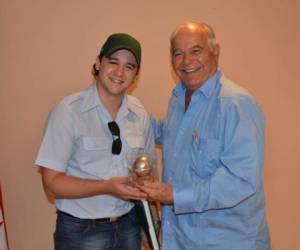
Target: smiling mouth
190, 71
117, 81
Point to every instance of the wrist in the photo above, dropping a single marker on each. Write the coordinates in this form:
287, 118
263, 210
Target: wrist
105, 186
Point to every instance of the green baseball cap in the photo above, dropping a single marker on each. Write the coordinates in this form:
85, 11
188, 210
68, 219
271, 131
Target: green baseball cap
121, 41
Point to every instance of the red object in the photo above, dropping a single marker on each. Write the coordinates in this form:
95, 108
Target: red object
3, 245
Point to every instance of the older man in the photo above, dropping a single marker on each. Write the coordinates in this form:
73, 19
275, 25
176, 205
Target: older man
213, 151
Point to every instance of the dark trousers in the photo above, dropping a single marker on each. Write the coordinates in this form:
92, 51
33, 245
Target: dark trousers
86, 234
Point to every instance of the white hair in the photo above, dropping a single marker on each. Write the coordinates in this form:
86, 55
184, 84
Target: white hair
210, 34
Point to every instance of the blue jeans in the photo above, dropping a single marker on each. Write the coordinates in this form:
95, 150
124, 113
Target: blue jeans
84, 234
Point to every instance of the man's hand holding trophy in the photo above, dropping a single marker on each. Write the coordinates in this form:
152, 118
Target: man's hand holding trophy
142, 172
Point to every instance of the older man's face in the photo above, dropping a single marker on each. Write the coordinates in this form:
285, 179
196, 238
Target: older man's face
193, 60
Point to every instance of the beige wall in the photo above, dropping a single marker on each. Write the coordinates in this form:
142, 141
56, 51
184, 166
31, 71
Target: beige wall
47, 48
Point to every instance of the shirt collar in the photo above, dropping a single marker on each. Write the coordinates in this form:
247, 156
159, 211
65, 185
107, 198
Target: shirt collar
206, 89
90, 98
133, 105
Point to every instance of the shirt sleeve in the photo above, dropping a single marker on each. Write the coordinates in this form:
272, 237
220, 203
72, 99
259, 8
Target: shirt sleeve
239, 173
149, 139
57, 142
157, 127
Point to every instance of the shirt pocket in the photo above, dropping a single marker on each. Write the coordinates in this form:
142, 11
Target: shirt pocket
136, 147
95, 143
95, 155
205, 156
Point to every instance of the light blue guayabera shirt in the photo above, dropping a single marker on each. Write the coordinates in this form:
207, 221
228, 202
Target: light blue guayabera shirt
213, 157
77, 141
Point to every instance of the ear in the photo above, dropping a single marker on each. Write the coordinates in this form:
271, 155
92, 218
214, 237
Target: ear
97, 63
216, 52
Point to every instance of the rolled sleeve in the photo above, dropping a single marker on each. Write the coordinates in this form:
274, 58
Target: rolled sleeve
56, 146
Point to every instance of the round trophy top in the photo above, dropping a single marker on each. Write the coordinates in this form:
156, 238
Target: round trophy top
141, 166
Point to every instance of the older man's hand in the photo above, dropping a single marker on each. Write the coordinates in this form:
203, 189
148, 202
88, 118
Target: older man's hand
158, 191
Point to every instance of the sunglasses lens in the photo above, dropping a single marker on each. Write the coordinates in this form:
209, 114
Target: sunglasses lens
117, 143
116, 147
114, 128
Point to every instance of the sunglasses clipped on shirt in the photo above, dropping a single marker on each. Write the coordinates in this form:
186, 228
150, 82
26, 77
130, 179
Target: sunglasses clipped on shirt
117, 143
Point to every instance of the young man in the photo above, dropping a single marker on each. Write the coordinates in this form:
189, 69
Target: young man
84, 154
213, 151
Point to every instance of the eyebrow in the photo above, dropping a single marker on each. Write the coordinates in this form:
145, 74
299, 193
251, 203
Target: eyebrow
134, 65
197, 47
112, 58
173, 50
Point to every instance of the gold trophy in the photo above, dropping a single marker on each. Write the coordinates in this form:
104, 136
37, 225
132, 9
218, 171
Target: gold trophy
142, 169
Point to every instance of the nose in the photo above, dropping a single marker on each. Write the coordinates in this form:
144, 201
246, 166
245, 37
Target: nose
187, 59
119, 71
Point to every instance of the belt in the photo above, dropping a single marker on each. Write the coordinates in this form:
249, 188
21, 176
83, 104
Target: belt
108, 219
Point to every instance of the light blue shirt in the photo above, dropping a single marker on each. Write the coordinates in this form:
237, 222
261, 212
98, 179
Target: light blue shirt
213, 156
77, 141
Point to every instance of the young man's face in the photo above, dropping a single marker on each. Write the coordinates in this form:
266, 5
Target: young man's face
193, 60
116, 72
